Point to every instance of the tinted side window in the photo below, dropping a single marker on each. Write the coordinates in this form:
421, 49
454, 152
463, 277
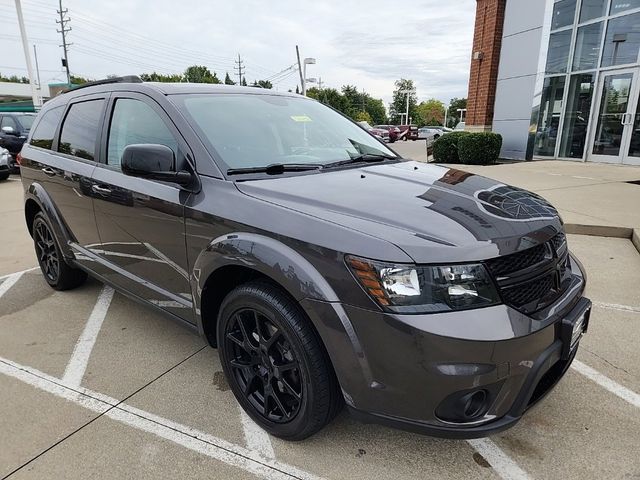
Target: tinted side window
133, 121
80, 129
45, 130
8, 122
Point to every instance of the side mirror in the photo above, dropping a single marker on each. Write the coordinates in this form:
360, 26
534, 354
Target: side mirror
8, 130
154, 162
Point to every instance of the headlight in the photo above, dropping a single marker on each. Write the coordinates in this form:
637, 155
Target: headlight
425, 289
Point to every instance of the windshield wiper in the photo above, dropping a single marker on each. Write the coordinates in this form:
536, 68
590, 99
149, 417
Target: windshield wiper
365, 157
275, 168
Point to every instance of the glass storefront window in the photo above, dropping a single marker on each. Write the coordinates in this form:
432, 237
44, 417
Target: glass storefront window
587, 49
618, 6
576, 116
614, 104
563, 14
549, 116
558, 53
623, 41
592, 9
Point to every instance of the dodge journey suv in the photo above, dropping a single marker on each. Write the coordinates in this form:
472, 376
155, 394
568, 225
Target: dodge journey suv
326, 269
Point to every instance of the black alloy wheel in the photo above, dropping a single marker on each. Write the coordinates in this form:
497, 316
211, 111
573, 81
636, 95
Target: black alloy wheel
47, 251
264, 365
275, 362
56, 271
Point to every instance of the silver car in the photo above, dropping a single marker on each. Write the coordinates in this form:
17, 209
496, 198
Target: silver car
4, 163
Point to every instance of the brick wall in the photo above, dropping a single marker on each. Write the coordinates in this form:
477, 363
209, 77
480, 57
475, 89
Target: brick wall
487, 40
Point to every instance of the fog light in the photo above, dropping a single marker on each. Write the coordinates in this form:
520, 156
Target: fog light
464, 406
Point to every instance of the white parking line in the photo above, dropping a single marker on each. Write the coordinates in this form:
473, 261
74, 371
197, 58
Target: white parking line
80, 358
187, 437
605, 382
2, 277
257, 439
617, 306
503, 465
9, 282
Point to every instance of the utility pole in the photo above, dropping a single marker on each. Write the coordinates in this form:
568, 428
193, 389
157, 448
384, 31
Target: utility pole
63, 31
239, 69
300, 70
35, 56
27, 56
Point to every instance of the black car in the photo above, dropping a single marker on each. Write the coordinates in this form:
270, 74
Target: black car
14, 129
325, 268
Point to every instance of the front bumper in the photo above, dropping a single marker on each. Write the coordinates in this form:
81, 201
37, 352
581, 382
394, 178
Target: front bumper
401, 370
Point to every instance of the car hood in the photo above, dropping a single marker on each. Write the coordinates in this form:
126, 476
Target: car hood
435, 214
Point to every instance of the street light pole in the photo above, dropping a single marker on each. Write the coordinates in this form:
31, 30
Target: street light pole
305, 62
27, 57
408, 92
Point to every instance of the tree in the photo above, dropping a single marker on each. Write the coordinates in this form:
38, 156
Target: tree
76, 80
363, 117
200, 74
13, 79
159, 77
263, 84
453, 116
399, 104
244, 81
227, 79
431, 112
376, 110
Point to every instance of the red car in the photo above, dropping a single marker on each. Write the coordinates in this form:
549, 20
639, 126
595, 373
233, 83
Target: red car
394, 131
408, 132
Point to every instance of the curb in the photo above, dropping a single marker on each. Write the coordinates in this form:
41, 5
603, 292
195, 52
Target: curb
610, 231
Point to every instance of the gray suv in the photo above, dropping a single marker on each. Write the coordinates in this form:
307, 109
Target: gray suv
326, 269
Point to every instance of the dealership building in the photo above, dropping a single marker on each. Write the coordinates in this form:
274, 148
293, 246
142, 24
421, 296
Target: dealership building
558, 79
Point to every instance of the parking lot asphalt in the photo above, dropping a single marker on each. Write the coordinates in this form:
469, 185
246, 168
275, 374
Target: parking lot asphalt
94, 385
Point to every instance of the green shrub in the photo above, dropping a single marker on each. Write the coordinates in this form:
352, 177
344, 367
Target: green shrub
445, 148
482, 148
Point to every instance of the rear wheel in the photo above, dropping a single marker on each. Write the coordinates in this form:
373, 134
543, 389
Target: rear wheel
275, 363
55, 270
4, 176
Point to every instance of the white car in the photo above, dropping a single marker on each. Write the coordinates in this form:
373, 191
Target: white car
429, 133
4, 163
459, 127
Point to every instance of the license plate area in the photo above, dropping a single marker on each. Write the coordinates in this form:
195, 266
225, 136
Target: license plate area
574, 326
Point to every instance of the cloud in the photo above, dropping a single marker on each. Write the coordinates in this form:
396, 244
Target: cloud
369, 44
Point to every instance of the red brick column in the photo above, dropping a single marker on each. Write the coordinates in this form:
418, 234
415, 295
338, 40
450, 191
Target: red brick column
485, 59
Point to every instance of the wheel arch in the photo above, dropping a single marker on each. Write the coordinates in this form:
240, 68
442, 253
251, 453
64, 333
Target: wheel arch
233, 259
38, 200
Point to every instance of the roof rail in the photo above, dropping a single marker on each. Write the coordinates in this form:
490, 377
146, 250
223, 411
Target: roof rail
124, 79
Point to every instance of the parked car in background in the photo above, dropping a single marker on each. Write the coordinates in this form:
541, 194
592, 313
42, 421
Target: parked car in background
429, 133
459, 127
14, 129
408, 132
4, 163
379, 133
325, 268
393, 131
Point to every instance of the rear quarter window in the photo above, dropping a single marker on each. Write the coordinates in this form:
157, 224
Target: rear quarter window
46, 128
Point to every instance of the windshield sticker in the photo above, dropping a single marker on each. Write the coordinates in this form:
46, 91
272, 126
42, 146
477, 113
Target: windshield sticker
300, 118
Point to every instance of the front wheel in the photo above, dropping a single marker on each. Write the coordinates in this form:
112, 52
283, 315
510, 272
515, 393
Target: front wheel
275, 363
4, 176
58, 274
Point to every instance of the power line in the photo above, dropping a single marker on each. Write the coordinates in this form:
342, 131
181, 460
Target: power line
64, 20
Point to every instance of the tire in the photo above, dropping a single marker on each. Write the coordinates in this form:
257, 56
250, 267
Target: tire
291, 404
4, 176
58, 274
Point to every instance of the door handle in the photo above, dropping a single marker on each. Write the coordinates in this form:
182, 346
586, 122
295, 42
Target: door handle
49, 171
101, 190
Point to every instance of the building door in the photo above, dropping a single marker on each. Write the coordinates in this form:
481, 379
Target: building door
616, 137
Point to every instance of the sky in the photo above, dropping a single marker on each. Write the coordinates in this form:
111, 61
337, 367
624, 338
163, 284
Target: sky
368, 44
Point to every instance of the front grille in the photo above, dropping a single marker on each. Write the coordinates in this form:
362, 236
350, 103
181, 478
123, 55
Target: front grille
517, 261
533, 278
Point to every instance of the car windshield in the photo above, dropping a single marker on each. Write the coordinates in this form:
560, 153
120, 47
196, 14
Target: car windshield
26, 121
246, 131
